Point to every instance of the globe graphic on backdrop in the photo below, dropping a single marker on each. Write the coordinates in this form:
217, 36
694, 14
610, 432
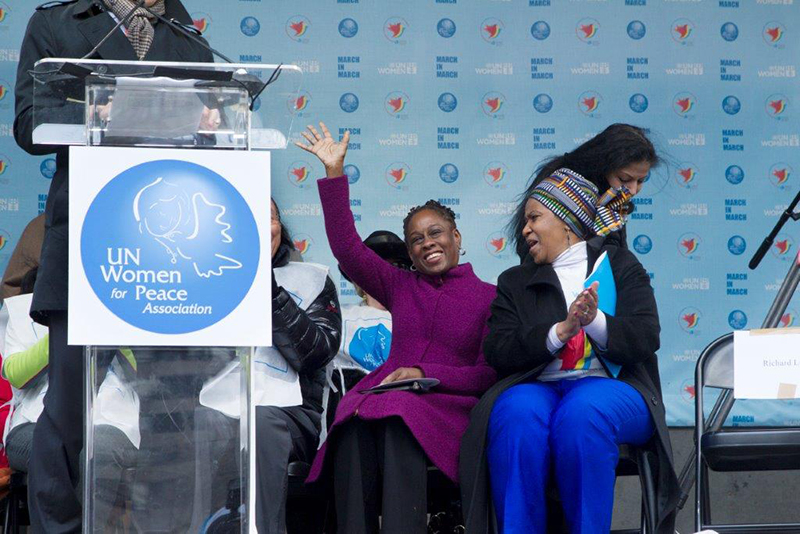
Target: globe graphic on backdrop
352, 173
48, 168
446, 28
348, 28
448, 173
638, 103
734, 174
542, 103
250, 26
636, 29
729, 31
731, 105
348, 102
540, 30
642, 244
737, 319
447, 102
737, 245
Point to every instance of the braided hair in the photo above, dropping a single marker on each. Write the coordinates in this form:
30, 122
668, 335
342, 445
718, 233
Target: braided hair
438, 208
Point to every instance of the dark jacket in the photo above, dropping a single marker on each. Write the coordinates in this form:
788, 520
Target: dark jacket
529, 301
71, 30
308, 339
24, 259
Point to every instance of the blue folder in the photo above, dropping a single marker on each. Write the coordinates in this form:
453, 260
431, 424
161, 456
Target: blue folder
607, 296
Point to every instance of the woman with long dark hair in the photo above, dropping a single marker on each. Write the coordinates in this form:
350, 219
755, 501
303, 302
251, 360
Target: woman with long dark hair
621, 155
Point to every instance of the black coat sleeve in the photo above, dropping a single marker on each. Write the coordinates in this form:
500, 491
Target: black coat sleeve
39, 42
512, 346
310, 338
633, 333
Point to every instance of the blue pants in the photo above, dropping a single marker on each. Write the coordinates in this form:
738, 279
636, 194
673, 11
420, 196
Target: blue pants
572, 428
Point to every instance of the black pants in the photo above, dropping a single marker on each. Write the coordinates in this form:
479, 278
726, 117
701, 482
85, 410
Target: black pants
54, 472
283, 435
114, 453
379, 462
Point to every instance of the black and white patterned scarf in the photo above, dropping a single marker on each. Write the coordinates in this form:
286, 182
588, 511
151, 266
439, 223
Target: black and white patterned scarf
139, 28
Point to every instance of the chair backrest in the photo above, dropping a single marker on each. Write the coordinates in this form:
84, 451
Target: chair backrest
717, 362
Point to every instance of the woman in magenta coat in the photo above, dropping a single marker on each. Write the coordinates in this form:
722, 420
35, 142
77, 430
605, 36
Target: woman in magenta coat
439, 312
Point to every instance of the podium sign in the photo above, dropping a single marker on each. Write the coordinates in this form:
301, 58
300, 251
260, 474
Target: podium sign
169, 247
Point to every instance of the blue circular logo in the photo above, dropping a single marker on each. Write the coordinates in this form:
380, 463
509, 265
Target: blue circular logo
447, 102
638, 103
348, 102
737, 319
170, 247
731, 105
642, 244
250, 26
540, 30
446, 28
734, 174
352, 173
448, 173
542, 103
737, 245
348, 28
729, 31
636, 29
48, 168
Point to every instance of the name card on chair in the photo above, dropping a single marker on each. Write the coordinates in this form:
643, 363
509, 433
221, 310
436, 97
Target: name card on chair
766, 364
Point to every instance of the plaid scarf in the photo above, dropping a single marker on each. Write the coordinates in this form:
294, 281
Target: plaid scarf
139, 29
573, 199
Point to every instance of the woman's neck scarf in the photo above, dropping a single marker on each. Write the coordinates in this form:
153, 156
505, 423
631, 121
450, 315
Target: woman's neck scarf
139, 28
574, 200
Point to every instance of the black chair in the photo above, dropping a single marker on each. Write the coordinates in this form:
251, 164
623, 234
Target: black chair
641, 462
308, 506
17, 507
735, 449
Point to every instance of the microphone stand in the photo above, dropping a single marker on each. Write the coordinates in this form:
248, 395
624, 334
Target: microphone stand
722, 408
767, 243
254, 94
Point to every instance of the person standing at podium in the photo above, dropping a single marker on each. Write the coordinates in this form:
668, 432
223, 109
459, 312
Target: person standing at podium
72, 29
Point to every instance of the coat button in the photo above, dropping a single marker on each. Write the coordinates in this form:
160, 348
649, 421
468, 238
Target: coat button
654, 400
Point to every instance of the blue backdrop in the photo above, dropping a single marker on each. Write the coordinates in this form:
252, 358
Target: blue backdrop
460, 100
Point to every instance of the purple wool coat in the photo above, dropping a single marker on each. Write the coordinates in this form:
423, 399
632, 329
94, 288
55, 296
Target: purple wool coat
438, 325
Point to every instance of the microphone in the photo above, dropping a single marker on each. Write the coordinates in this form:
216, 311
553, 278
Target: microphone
765, 246
122, 21
172, 23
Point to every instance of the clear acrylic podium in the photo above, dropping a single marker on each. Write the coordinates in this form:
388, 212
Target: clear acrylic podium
159, 455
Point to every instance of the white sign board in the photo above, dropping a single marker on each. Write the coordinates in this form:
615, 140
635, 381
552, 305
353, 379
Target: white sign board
766, 364
169, 247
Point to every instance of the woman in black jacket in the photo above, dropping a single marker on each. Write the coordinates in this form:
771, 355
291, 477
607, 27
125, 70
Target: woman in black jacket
75, 29
621, 155
306, 332
578, 382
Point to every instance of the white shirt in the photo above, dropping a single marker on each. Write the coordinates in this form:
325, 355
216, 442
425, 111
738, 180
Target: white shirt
571, 267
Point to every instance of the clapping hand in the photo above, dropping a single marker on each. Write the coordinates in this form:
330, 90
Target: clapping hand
329, 151
581, 312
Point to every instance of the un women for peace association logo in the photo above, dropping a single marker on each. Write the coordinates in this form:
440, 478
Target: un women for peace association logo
170, 247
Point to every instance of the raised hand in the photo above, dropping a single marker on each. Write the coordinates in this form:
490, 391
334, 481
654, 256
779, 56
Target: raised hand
329, 151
